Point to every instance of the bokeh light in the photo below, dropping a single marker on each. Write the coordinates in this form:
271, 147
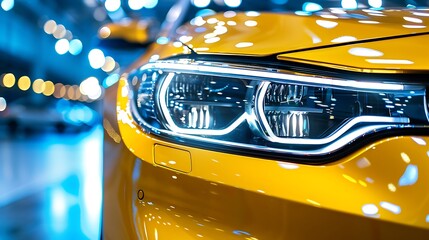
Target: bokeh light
375, 3
70, 93
24, 83
57, 89
349, 4
200, 3
151, 4
109, 64
60, 31
104, 32
3, 104
63, 91
38, 86
68, 35
49, 88
233, 3
7, 5
136, 4
8, 80
99, 14
62, 46
50, 27
77, 93
75, 47
91, 88
96, 58
112, 5
311, 7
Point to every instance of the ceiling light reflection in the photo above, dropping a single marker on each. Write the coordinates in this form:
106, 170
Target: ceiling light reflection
421, 14
410, 176
328, 16
389, 61
289, 166
344, 39
243, 44
369, 209
391, 187
368, 22
252, 14
326, 23
413, 20
229, 14
363, 163
212, 40
414, 26
405, 157
365, 52
391, 207
250, 23
419, 141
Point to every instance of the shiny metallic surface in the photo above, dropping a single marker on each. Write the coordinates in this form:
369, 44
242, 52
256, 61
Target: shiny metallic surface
295, 33
378, 191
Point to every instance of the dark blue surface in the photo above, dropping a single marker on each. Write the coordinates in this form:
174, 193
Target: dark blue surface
50, 186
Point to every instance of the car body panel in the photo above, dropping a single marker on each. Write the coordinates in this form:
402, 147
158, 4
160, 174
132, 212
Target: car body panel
376, 192
362, 196
376, 57
270, 33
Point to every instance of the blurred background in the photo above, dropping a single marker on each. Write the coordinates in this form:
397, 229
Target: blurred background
53, 73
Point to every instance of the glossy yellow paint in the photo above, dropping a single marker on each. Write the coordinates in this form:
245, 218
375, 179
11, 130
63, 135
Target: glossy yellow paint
173, 158
378, 192
268, 33
377, 57
225, 196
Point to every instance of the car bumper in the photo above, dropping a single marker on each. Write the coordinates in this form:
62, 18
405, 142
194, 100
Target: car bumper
378, 192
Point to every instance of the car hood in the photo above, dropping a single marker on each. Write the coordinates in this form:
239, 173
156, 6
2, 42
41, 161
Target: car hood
254, 33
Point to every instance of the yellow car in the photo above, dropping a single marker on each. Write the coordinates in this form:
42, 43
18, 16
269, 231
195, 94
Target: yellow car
256, 125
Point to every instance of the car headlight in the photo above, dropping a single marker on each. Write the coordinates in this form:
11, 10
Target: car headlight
269, 111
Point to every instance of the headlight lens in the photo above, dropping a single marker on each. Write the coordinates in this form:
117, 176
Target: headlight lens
196, 104
269, 110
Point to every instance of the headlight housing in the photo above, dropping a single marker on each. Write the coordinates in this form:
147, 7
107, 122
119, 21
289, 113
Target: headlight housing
268, 111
